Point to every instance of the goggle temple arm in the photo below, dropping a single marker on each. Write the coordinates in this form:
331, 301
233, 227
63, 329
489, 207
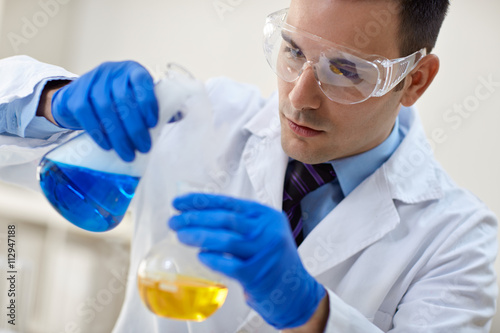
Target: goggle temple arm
396, 70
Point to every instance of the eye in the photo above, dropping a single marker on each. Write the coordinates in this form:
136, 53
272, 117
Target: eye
344, 67
294, 52
335, 69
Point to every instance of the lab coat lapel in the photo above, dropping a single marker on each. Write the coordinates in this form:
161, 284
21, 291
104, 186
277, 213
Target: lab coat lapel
362, 218
263, 151
345, 231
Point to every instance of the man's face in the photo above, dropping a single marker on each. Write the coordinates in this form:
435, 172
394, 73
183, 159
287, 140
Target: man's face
313, 128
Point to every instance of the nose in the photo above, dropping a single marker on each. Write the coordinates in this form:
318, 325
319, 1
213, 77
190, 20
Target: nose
306, 94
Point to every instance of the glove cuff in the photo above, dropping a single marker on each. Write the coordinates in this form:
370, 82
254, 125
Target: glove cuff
59, 111
303, 308
291, 303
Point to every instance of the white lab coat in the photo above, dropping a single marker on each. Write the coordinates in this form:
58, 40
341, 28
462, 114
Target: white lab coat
406, 251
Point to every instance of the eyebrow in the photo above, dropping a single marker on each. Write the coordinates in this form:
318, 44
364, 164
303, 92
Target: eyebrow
289, 40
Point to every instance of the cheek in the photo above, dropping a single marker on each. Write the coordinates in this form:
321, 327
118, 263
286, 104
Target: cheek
357, 126
371, 124
346, 120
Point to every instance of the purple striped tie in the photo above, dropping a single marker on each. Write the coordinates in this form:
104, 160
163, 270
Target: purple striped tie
301, 179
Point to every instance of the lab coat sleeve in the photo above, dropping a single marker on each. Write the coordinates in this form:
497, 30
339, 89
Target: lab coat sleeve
23, 79
455, 291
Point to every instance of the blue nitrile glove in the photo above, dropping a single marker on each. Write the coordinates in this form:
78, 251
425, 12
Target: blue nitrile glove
253, 244
115, 103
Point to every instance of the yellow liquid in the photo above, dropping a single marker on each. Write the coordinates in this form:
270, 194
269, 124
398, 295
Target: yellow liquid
182, 297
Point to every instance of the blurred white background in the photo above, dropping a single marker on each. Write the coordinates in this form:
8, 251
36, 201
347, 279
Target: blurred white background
72, 281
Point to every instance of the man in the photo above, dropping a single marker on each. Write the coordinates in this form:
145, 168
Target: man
387, 243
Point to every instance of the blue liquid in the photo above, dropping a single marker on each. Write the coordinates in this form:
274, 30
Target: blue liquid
92, 200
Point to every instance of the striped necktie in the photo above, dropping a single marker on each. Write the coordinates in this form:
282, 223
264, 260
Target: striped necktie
302, 179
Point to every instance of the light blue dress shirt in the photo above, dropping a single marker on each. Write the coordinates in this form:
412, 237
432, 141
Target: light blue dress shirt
351, 171
19, 117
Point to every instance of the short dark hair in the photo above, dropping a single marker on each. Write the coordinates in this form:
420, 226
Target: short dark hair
420, 22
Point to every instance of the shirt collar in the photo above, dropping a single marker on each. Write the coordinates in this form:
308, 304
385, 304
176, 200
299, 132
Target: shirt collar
352, 171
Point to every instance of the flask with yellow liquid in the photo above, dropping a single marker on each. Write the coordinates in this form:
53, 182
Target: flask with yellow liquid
174, 284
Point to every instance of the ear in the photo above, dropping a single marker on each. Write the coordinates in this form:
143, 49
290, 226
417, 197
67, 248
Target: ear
420, 79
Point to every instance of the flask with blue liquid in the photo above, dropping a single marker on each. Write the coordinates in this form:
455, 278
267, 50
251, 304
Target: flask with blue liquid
91, 187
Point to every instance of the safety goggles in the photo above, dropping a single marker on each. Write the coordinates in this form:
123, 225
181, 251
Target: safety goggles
344, 75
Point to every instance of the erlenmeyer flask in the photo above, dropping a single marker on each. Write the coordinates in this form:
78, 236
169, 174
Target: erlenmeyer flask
174, 284
91, 187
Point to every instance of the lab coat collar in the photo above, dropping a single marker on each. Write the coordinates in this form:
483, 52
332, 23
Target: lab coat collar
411, 171
263, 151
369, 212
266, 122
352, 170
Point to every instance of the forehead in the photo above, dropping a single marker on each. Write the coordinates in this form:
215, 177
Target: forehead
369, 26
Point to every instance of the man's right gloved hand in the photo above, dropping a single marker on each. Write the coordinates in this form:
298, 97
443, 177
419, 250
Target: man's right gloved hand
115, 103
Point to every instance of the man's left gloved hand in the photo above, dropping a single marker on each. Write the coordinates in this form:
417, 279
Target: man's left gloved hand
253, 244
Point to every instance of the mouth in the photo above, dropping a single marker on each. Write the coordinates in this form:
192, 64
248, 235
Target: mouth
302, 131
